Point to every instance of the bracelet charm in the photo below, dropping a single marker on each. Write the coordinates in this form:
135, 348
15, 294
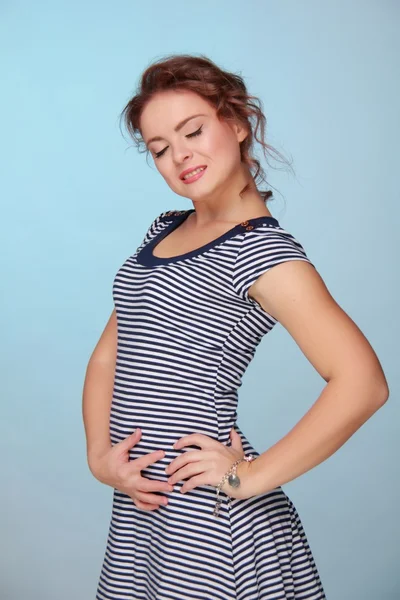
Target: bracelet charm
233, 480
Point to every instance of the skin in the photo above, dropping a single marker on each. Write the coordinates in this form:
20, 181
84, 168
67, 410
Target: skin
295, 294
292, 292
215, 196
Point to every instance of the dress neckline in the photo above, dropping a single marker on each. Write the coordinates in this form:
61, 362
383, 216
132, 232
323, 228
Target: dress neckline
146, 257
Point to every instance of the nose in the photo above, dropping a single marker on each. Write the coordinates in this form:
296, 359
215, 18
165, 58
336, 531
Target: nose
182, 154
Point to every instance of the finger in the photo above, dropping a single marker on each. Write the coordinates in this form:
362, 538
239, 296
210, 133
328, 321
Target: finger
148, 459
145, 506
194, 482
153, 485
184, 459
236, 441
151, 498
189, 471
131, 440
195, 439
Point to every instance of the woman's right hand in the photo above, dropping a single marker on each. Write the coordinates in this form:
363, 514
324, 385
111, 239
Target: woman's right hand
116, 470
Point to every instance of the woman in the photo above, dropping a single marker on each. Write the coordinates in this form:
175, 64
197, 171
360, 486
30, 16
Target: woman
197, 512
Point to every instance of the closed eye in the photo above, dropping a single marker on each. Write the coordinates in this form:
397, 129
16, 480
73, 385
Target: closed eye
189, 135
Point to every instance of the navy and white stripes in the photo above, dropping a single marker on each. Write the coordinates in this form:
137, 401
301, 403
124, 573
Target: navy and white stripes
187, 330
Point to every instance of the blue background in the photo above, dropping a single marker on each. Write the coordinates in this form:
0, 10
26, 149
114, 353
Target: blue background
77, 200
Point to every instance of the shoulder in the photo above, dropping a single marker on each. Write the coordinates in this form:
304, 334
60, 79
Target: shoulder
158, 222
268, 233
262, 248
268, 242
168, 215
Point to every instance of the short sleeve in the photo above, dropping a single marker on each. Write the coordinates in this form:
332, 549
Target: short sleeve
261, 249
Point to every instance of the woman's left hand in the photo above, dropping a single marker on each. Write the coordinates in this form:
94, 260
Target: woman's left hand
208, 465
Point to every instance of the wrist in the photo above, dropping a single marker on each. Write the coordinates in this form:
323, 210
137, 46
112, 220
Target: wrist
257, 482
97, 450
97, 469
94, 459
245, 473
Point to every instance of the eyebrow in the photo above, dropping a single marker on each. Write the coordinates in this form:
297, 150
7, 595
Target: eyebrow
177, 128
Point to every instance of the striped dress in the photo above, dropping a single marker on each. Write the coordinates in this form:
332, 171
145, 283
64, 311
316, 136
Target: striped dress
187, 331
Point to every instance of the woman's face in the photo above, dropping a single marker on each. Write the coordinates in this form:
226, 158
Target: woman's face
202, 141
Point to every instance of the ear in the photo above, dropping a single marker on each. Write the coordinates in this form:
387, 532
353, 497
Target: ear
241, 131
238, 129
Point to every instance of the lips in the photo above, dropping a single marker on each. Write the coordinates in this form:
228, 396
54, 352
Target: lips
181, 176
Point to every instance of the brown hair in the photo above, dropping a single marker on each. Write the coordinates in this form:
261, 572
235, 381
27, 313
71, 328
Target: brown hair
226, 91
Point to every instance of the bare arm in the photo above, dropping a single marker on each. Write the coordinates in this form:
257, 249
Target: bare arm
295, 294
97, 392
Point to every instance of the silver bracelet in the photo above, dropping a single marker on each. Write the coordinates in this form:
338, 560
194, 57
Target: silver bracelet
233, 480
